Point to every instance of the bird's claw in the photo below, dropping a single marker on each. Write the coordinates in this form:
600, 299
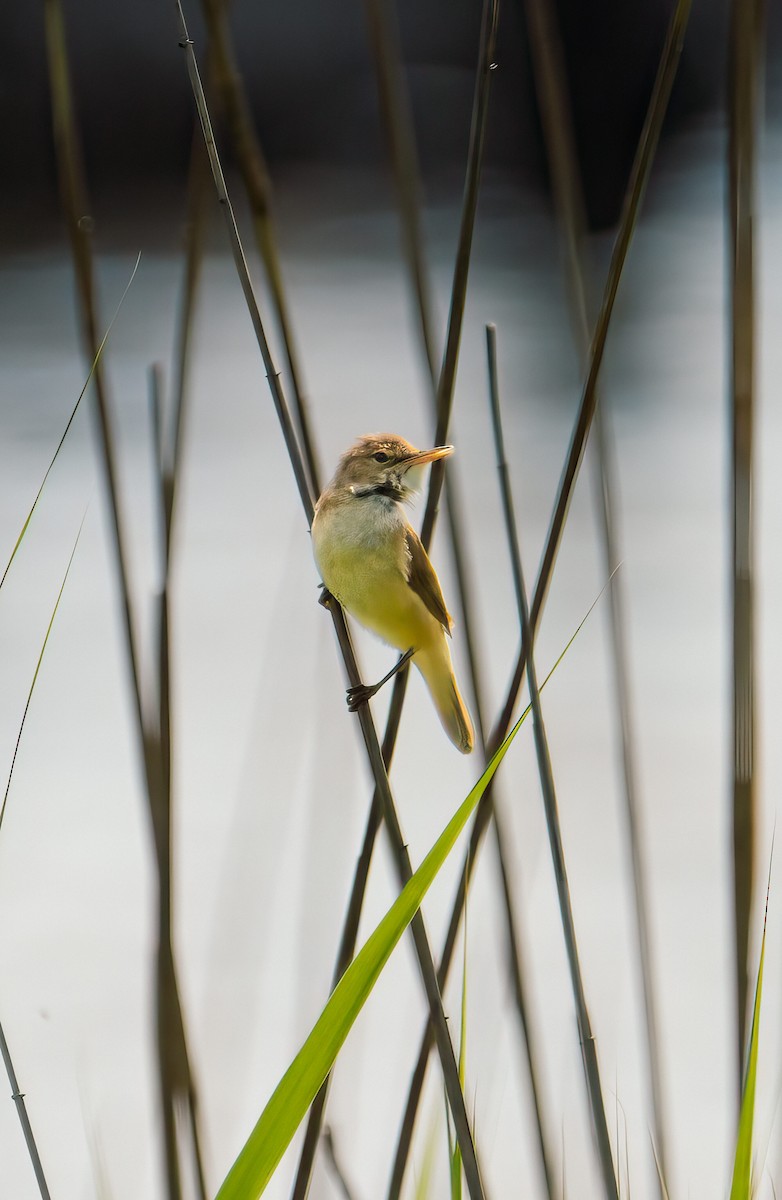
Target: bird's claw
325, 596
358, 695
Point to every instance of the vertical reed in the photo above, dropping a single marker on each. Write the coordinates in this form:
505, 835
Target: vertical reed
745, 64
402, 859
586, 1038
658, 102
18, 1098
175, 1075
255, 175
400, 134
399, 130
556, 117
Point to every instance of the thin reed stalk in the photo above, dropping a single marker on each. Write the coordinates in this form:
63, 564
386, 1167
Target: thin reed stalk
557, 122
17, 1095
406, 174
68, 424
171, 1048
255, 175
588, 1046
745, 65
170, 447
636, 186
175, 1076
397, 118
395, 109
453, 337
35, 676
402, 858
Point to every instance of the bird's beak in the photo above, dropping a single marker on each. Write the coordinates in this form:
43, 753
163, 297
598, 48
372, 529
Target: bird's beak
422, 457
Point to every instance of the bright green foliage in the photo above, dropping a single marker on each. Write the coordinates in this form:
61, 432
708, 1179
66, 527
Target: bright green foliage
741, 1187
299, 1085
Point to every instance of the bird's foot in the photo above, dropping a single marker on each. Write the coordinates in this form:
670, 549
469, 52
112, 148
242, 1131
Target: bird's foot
356, 696
325, 596
362, 692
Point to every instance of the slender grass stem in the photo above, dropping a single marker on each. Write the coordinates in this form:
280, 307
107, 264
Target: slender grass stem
79, 224
588, 1046
173, 1061
745, 62
16, 1095
556, 118
447, 377
198, 193
18, 1098
240, 261
636, 186
395, 109
172, 1049
518, 976
35, 676
402, 858
399, 129
69, 422
252, 165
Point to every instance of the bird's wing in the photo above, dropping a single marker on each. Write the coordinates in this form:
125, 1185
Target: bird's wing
424, 582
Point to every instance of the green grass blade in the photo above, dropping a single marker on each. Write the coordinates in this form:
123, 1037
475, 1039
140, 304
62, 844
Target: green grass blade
423, 1187
452, 1148
741, 1186
299, 1085
288, 1105
87, 381
456, 1154
37, 669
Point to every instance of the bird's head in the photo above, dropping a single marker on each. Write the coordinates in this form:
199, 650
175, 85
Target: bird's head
382, 464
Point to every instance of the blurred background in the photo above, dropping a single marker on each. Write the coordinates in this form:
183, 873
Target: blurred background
270, 782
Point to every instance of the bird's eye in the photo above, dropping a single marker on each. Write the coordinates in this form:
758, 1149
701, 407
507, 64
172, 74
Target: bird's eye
380, 457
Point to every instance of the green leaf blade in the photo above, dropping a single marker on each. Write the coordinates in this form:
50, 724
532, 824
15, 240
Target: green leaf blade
741, 1185
299, 1085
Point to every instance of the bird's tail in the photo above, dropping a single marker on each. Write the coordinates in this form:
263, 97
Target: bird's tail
434, 663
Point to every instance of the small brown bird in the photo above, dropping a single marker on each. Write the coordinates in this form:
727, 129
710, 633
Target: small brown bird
373, 562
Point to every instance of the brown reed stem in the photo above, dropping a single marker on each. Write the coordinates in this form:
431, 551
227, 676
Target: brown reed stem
556, 118
196, 221
398, 127
173, 1063
404, 869
255, 175
636, 187
447, 378
406, 174
744, 105
171, 1045
395, 108
588, 1046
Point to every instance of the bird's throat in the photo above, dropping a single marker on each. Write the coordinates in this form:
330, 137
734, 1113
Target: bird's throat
379, 489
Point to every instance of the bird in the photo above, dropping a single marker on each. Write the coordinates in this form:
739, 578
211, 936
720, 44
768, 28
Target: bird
372, 561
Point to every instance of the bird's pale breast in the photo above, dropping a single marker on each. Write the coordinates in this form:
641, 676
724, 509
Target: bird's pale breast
361, 552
